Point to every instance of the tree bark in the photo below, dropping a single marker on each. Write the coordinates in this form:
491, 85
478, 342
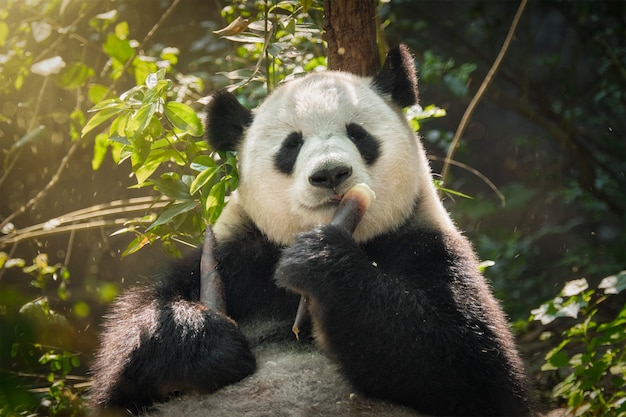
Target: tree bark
350, 32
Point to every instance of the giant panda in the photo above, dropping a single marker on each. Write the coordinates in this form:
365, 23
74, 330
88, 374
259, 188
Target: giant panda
402, 320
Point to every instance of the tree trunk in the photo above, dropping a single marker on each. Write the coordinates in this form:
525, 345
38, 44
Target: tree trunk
350, 33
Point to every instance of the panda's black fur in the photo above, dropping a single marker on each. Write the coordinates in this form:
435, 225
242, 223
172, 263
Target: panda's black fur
400, 306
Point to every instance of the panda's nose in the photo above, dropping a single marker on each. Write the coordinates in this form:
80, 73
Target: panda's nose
330, 177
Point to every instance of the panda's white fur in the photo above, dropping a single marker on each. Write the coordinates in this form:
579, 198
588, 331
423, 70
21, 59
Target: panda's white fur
319, 106
400, 305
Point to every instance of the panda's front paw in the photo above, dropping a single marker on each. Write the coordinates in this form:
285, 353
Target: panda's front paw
315, 258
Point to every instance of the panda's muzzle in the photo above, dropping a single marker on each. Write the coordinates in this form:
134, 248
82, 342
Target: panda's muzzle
330, 177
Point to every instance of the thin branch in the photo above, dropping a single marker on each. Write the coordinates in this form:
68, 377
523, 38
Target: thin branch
481, 90
41, 194
65, 32
614, 59
11, 253
91, 215
121, 206
63, 229
70, 244
477, 173
16, 157
257, 66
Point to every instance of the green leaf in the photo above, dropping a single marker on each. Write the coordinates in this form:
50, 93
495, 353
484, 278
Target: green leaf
202, 162
111, 103
614, 284
483, 265
291, 26
140, 152
117, 48
140, 120
170, 54
75, 361
4, 33
96, 93
215, 201
245, 38
101, 21
154, 128
154, 78
142, 69
156, 89
306, 4
574, 287
77, 121
172, 188
556, 361
275, 49
183, 118
118, 126
172, 212
136, 244
439, 183
202, 178
74, 75
29, 137
121, 30
99, 118
101, 145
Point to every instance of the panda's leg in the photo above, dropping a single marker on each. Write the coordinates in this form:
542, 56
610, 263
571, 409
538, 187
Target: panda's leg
153, 348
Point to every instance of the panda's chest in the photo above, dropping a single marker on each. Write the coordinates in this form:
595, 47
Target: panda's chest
406, 254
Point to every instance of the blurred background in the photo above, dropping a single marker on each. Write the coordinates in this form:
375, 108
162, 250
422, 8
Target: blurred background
543, 159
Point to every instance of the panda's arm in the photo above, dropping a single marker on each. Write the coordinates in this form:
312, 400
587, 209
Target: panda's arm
246, 262
407, 316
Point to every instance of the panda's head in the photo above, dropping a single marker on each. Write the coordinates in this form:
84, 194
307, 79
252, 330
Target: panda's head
313, 139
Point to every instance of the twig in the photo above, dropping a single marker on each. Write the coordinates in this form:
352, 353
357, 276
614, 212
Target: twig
11, 253
63, 229
476, 172
483, 87
16, 157
55, 178
257, 66
70, 244
91, 214
614, 59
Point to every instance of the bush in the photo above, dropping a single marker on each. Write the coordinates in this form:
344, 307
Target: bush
590, 361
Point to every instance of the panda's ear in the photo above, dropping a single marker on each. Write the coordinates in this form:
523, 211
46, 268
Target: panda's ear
397, 77
226, 120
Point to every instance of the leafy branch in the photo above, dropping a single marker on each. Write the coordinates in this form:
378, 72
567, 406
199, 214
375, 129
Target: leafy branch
592, 354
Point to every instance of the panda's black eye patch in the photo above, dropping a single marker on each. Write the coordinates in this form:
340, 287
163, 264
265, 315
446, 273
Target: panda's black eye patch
367, 145
285, 159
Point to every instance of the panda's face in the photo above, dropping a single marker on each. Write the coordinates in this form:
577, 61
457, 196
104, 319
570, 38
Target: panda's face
315, 138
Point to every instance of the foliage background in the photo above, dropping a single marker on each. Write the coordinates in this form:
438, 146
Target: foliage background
550, 134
